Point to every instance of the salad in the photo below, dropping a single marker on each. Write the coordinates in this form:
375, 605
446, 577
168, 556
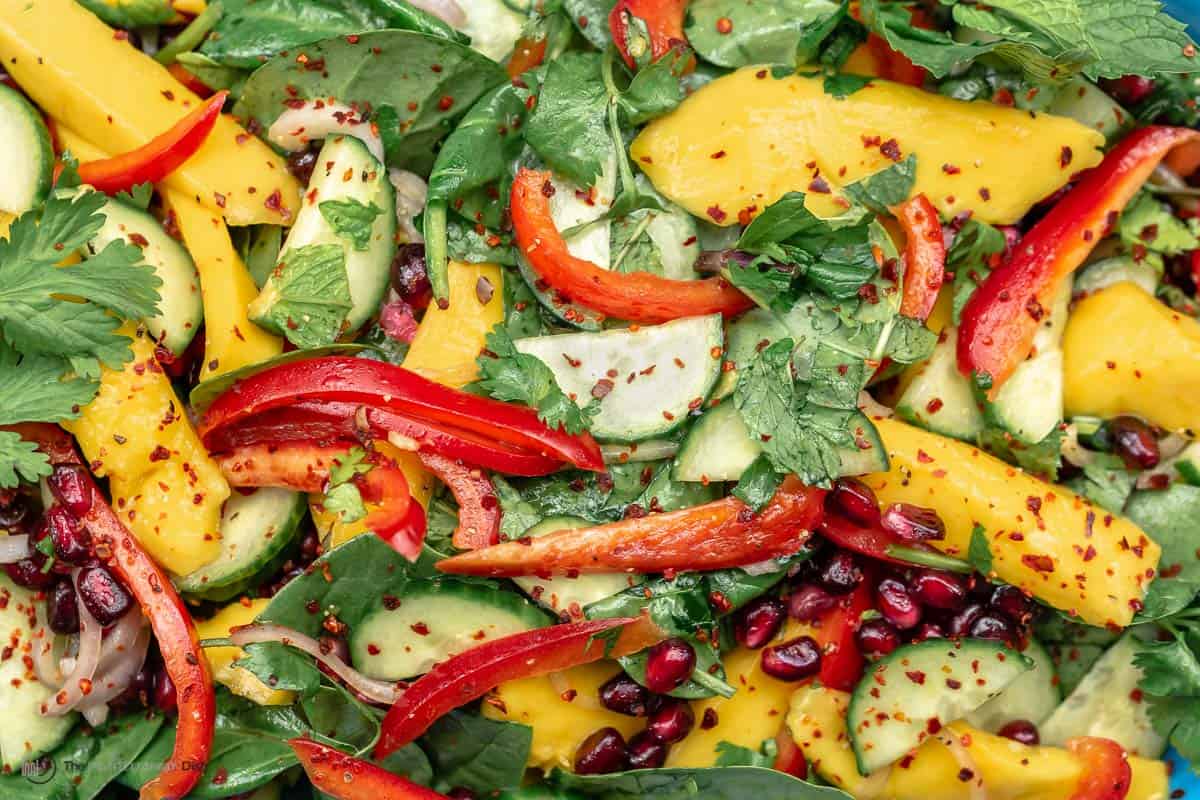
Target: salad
590, 399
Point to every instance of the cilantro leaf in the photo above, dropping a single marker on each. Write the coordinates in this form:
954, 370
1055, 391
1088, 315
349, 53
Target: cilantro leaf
1169, 668
1152, 224
38, 388
20, 461
342, 495
1179, 719
351, 220
513, 376
308, 296
1042, 459
568, 127
979, 554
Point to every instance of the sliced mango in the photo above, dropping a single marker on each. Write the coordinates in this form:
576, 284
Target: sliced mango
739, 143
93, 81
449, 340
1124, 352
220, 659
1041, 537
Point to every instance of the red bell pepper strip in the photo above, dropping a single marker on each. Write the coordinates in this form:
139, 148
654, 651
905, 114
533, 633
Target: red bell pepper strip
478, 508
345, 777
462, 678
869, 540
169, 619
527, 54
1106, 771
1002, 316
390, 388
716, 535
159, 157
789, 757
663, 20
634, 296
841, 661
924, 256
189, 79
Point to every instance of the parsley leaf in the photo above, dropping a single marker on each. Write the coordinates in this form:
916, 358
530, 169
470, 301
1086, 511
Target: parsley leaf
351, 220
308, 296
20, 460
979, 554
342, 495
513, 376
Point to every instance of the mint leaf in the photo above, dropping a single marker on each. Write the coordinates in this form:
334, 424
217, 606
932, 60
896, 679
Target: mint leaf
351, 220
975, 250
307, 297
766, 282
20, 461
758, 483
516, 515
886, 188
979, 554
509, 375
655, 89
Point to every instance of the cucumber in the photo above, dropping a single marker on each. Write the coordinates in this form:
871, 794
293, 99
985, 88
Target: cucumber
919, 687
181, 311
744, 338
256, 530
368, 269
493, 27
564, 595
433, 621
26, 734
717, 448
27, 160
1088, 104
1106, 272
1103, 705
868, 455
658, 373
1188, 464
939, 398
1032, 697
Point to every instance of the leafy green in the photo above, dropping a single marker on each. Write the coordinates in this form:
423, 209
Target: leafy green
507, 374
886, 188
655, 89
121, 740
470, 751
130, 14
342, 496
351, 220
843, 84
20, 461
1151, 223
281, 667
308, 296
1105, 481
971, 257
758, 483
733, 755
1171, 517
591, 19
516, 515
1043, 458
735, 33
57, 779
39, 388
568, 128
715, 783
979, 553
1174, 101
598, 497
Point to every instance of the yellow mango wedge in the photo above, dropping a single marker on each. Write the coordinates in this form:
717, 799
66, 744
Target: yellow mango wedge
220, 659
1124, 352
1042, 538
164, 486
1008, 770
745, 139
74, 66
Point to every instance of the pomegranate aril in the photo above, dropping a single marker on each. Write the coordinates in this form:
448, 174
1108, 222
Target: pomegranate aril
31, 572
758, 622
1021, 730
855, 500
1134, 441
1012, 602
913, 523
301, 164
960, 623
165, 698
794, 660
73, 488
410, 278
624, 695
808, 602
668, 664
993, 625
62, 609
600, 753
15, 512
672, 721
103, 595
841, 574
929, 631
877, 637
646, 751
938, 590
896, 605
72, 543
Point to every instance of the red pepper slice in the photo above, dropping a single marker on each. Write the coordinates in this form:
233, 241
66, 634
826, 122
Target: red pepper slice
1106, 771
789, 757
159, 157
663, 20
462, 678
169, 619
345, 777
1001, 318
634, 296
841, 661
189, 79
478, 508
870, 540
924, 256
386, 387
716, 535
527, 54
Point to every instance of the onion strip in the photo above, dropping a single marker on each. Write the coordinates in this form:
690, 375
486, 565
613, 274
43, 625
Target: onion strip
77, 685
14, 547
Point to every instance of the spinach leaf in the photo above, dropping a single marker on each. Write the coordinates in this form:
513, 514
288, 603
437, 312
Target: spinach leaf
120, 742
481, 754
842, 85
656, 88
735, 33
679, 606
52, 777
331, 713
714, 783
598, 497
708, 676
758, 483
1172, 519
131, 14
591, 18
568, 127
733, 755
281, 667
416, 86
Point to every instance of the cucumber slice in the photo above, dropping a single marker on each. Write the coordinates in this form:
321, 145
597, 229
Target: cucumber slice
1101, 705
493, 27
869, 454
565, 595
571, 313
1108, 271
256, 530
181, 311
434, 621
921, 686
1088, 104
1032, 697
368, 269
939, 398
26, 734
744, 338
658, 373
717, 448
27, 160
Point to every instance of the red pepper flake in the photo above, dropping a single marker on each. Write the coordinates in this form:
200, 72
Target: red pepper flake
1034, 309
445, 103
934, 405
871, 141
575, 363
950, 169
719, 602
869, 293
724, 26
965, 774
819, 185
160, 453
1089, 553
274, 201
718, 154
924, 457
985, 193
709, 721
953, 683
1065, 156
668, 416
1189, 50
716, 214
746, 215
891, 149
602, 388
372, 649
1039, 563
916, 676
547, 189
1034, 504
420, 628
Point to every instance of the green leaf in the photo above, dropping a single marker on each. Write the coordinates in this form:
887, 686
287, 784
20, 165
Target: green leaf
281, 667
602, 497
842, 85
1169, 668
1042, 459
760, 31
766, 282
679, 606
1179, 719
129, 14
971, 257
591, 19
516, 515
568, 128
1171, 517
38, 388
655, 89
334, 714
1105, 481
733, 755
351, 220
979, 553
121, 741
1151, 223
308, 296
714, 783
758, 483
886, 188
20, 461
477, 753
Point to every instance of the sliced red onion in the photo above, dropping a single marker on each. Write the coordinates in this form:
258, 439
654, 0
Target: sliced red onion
385, 692
78, 682
118, 667
448, 11
397, 320
411, 193
296, 127
14, 547
761, 567
46, 661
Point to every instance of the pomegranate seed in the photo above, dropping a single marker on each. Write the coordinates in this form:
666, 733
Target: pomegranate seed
103, 595
960, 624
72, 487
1021, 730
939, 590
896, 604
758, 622
792, 661
600, 753
410, 278
165, 698
993, 625
1134, 441
841, 574
31, 572
1012, 603
855, 500
809, 602
72, 543
138, 690
877, 637
624, 695
913, 523
672, 721
14, 512
62, 609
647, 751
301, 163
929, 631
668, 664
